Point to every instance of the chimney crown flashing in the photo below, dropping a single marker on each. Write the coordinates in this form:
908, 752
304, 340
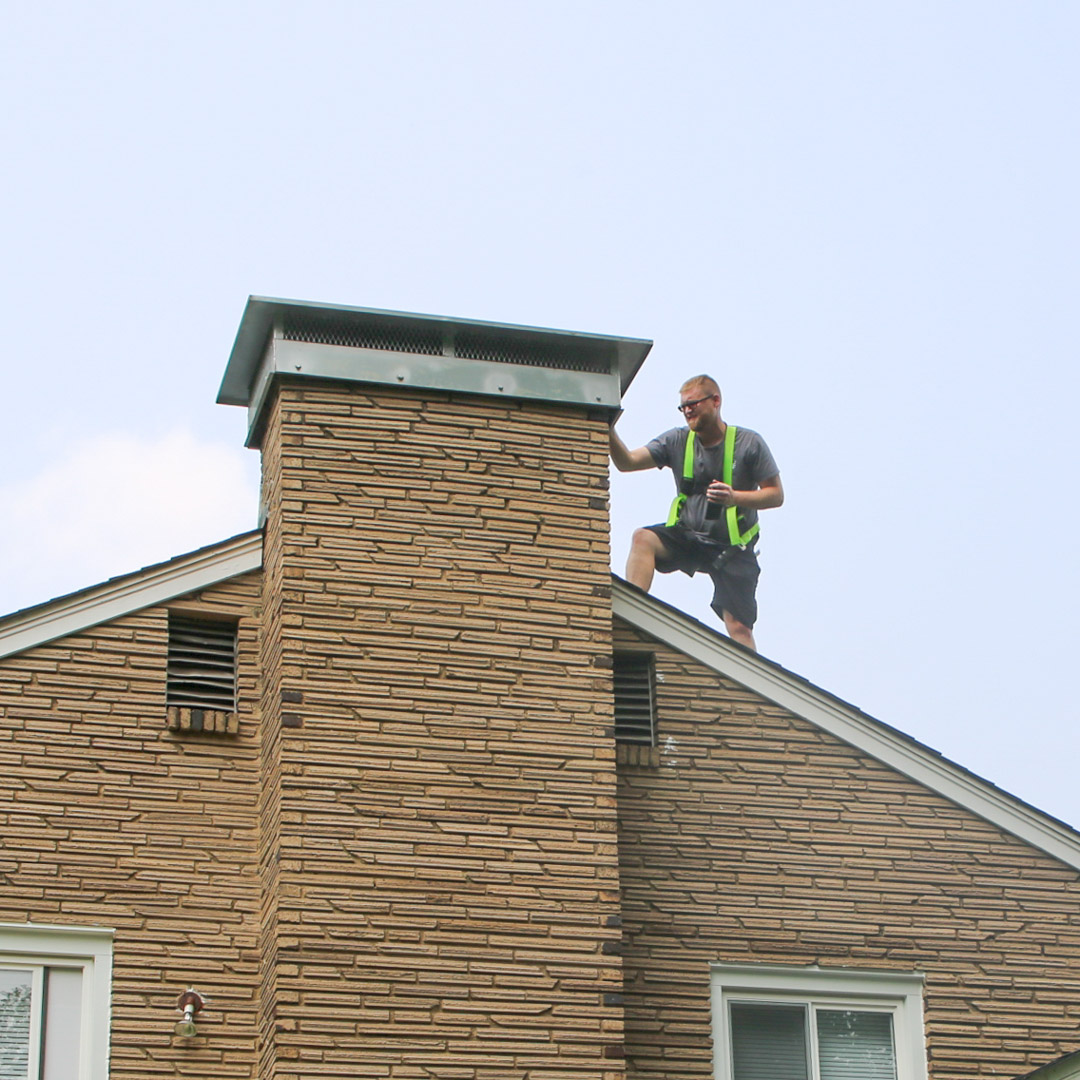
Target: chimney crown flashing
297, 338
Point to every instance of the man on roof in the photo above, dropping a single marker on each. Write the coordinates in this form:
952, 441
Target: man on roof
724, 476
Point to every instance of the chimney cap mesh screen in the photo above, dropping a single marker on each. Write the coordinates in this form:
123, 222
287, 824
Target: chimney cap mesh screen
634, 680
201, 666
359, 333
434, 339
507, 350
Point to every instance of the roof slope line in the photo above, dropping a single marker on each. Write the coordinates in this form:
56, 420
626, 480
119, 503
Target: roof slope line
131, 592
1062, 1068
889, 746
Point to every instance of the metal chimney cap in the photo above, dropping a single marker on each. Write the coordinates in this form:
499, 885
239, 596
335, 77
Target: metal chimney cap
425, 334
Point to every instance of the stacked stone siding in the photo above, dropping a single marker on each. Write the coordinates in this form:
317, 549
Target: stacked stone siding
441, 847
758, 838
270, 761
109, 819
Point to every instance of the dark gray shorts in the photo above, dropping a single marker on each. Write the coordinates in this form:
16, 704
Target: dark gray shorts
734, 571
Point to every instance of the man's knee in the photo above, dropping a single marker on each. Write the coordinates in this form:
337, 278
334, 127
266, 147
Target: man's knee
739, 631
645, 549
645, 538
646, 543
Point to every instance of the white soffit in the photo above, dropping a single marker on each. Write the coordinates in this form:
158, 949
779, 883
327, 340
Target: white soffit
805, 700
132, 592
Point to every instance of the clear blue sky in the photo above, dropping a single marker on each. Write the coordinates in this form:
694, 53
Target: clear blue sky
861, 218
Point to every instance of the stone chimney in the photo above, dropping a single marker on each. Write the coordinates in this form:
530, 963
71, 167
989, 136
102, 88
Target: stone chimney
438, 848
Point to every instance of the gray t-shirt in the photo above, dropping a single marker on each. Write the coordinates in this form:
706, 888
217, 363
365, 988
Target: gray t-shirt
753, 463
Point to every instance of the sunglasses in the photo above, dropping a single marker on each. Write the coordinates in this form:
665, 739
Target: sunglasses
686, 406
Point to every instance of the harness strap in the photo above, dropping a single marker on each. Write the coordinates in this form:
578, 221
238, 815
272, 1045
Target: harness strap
686, 483
736, 538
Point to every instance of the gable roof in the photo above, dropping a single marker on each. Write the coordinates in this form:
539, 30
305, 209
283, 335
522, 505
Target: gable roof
888, 745
130, 593
242, 554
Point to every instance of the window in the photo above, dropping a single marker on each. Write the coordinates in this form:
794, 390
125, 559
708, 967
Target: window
54, 1002
635, 698
201, 664
778, 1023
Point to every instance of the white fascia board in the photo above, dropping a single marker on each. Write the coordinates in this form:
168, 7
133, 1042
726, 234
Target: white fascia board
890, 747
134, 592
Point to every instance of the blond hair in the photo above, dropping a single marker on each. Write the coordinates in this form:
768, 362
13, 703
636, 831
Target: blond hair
706, 383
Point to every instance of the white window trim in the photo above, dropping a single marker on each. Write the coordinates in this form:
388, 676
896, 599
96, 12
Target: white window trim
33, 945
841, 986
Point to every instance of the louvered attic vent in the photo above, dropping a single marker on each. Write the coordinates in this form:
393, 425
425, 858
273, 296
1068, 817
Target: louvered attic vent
635, 698
201, 664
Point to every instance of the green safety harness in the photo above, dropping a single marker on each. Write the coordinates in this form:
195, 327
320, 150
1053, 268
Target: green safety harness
686, 485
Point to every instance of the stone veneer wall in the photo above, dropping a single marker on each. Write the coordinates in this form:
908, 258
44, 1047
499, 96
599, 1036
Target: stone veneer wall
270, 762
757, 838
439, 853
108, 819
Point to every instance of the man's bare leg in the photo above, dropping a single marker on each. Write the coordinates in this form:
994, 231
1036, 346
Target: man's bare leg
739, 631
645, 548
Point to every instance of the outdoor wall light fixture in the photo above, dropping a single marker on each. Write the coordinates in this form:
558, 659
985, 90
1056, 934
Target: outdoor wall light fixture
189, 1004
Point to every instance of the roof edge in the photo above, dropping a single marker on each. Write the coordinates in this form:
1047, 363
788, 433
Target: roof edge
887, 745
132, 592
1066, 1067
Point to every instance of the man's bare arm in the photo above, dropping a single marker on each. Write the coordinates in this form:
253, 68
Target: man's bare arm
766, 497
629, 460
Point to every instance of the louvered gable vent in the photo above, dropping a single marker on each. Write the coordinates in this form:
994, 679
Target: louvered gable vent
635, 698
201, 664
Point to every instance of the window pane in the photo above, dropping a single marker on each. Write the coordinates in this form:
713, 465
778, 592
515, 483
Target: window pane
63, 1013
14, 1023
768, 1042
855, 1045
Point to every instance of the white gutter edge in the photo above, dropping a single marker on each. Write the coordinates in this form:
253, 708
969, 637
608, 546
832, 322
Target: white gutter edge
134, 592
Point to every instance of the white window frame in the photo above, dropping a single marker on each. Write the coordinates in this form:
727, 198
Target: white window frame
34, 947
872, 991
